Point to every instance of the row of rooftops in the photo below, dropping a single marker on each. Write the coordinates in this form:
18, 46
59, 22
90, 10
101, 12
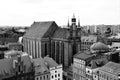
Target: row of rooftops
111, 67
6, 65
95, 49
44, 64
41, 65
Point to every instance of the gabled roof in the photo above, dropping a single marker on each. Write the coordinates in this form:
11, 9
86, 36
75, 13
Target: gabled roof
40, 66
27, 61
61, 33
112, 67
50, 62
6, 67
83, 55
39, 29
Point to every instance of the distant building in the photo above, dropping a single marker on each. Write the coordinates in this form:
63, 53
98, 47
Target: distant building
115, 45
110, 71
15, 46
8, 37
14, 53
113, 38
87, 41
3, 48
90, 29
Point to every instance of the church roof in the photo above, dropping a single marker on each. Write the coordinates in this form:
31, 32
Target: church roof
61, 33
99, 46
39, 30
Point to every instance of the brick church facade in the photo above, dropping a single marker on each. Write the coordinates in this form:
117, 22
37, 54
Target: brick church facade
46, 38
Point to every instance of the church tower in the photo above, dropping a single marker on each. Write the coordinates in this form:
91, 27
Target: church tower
73, 27
74, 38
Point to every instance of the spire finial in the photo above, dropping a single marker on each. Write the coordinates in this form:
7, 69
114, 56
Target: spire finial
73, 15
78, 22
68, 25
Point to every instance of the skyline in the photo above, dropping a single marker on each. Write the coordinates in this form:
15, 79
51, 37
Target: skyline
25, 12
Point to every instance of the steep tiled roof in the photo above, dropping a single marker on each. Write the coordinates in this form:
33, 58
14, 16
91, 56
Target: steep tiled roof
27, 61
40, 65
83, 55
61, 33
6, 67
38, 29
115, 67
50, 62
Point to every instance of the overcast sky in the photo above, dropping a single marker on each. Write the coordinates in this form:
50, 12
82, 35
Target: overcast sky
24, 12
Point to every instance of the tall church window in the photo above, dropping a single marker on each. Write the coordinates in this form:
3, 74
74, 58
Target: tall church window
62, 53
53, 50
38, 50
45, 49
35, 49
57, 52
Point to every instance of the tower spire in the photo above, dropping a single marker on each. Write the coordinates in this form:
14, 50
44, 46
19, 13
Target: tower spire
68, 25
78, 22
73, 15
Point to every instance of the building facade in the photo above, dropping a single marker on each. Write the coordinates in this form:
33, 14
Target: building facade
56, 73
79, 70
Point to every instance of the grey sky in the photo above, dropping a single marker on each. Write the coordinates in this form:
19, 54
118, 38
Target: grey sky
24, 12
